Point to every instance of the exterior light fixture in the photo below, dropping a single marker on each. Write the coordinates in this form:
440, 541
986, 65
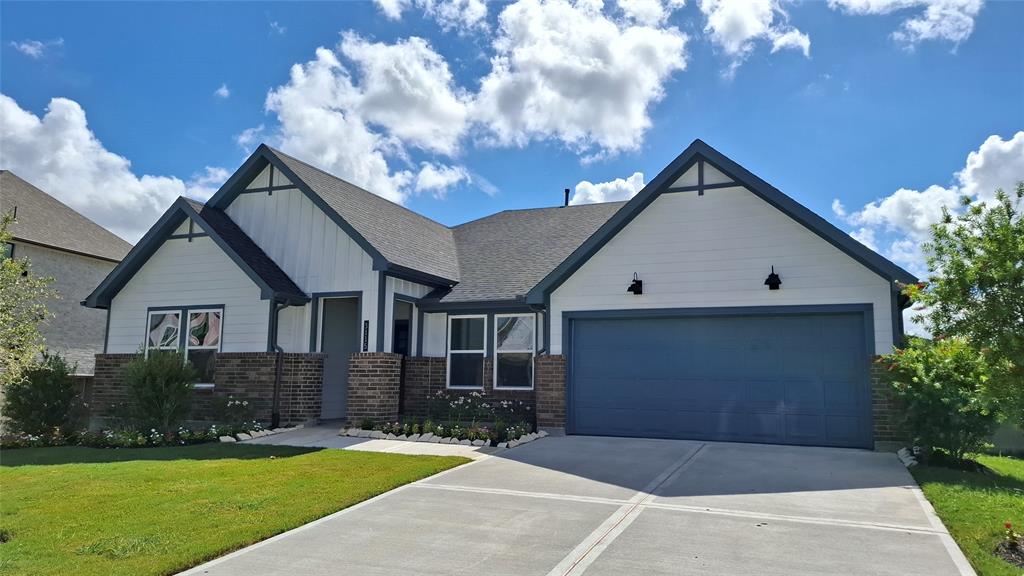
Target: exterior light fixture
637, 286
773, 281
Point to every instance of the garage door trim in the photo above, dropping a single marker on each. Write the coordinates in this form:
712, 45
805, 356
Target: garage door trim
866, 311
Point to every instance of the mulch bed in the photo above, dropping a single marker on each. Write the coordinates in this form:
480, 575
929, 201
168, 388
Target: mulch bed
1012, 554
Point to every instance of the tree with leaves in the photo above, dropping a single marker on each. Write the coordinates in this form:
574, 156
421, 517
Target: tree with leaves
23, 297
976, 288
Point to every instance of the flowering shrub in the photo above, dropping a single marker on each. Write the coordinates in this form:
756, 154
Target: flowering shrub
473, 408
233, 411
1010, 537
125, 437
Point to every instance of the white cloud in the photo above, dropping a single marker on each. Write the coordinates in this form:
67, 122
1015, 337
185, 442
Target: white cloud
250, 136
36, 48
438, 178
649, 12
459, 15
277, 28
222, 92
612, 191
204, 184
904, 218
61, 155
319, 123
404, 97
566, 71
950, 20
407, 88
736, 25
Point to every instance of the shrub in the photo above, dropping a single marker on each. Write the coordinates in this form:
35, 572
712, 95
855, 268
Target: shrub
44, 399
160, 387
942, 387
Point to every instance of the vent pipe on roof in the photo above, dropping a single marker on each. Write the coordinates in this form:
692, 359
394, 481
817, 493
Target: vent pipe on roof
566, 197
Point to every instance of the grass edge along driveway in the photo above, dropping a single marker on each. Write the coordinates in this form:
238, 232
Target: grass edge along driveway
161, 510
974, 506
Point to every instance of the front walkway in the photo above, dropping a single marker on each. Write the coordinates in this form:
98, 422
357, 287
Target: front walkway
326, 436
612, 506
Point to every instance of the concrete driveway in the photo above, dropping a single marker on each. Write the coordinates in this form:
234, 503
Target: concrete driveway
620, 506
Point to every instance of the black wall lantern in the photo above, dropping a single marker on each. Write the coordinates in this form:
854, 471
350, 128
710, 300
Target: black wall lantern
773, 281
637, 286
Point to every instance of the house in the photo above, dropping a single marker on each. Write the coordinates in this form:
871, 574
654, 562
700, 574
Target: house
654, 317
75, 251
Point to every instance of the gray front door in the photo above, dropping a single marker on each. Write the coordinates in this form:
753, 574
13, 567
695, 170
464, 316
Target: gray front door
339, 339
786, 379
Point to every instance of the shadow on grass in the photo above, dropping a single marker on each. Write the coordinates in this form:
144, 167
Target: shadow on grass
81, 455
990, 480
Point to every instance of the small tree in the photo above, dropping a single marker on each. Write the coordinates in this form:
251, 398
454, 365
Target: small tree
160, 388
942, 388
976, 288
44, 400
22, 311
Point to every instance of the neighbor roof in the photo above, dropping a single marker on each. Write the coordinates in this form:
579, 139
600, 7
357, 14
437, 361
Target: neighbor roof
403, 237
44, 220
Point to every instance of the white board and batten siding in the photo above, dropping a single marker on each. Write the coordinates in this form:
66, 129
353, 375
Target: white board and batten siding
183, 273
716, 250
316, 254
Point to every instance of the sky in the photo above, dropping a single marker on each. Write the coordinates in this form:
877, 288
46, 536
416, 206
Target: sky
875, 114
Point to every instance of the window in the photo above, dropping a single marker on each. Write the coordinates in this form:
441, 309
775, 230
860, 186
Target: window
6, 251
467, 341
200, 343
514, 344
203, 341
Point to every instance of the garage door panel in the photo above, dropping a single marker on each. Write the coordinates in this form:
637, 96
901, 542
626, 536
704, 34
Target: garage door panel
804, 394
780, 379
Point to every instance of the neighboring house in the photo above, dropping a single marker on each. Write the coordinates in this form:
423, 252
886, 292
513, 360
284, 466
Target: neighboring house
75, 251
374, 307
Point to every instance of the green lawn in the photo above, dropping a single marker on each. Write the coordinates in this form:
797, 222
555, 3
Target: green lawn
974, 507
88, 511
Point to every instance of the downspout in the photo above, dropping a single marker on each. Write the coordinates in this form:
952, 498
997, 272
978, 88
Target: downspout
275, 411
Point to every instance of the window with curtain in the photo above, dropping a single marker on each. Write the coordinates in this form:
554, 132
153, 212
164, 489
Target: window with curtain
514, 348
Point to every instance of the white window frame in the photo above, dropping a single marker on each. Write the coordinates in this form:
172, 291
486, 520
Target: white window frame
184, 320
532, 351
149, 324
449, 351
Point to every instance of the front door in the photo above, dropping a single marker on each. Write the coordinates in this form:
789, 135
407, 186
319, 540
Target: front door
339, 339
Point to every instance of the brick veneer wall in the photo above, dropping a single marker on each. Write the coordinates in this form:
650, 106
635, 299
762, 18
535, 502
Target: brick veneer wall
374, 379
550, 385
425, 376
248, 375
884, 407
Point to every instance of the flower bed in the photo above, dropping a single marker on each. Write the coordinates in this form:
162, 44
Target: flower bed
438, 434
132, 438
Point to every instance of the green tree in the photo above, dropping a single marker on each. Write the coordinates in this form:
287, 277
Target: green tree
976, 288
23, 297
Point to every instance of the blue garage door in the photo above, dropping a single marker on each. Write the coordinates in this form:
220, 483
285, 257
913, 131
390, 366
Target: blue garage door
789, 379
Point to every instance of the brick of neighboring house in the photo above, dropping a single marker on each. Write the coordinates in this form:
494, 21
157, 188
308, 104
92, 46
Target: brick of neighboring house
550, 384
374, 379
424, 377
242, 375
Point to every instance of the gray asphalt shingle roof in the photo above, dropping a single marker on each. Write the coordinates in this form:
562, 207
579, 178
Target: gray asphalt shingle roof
42, 219
247, 250
503, 256
498, 257
402, 236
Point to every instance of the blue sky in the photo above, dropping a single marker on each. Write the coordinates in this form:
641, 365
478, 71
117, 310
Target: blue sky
877, 104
